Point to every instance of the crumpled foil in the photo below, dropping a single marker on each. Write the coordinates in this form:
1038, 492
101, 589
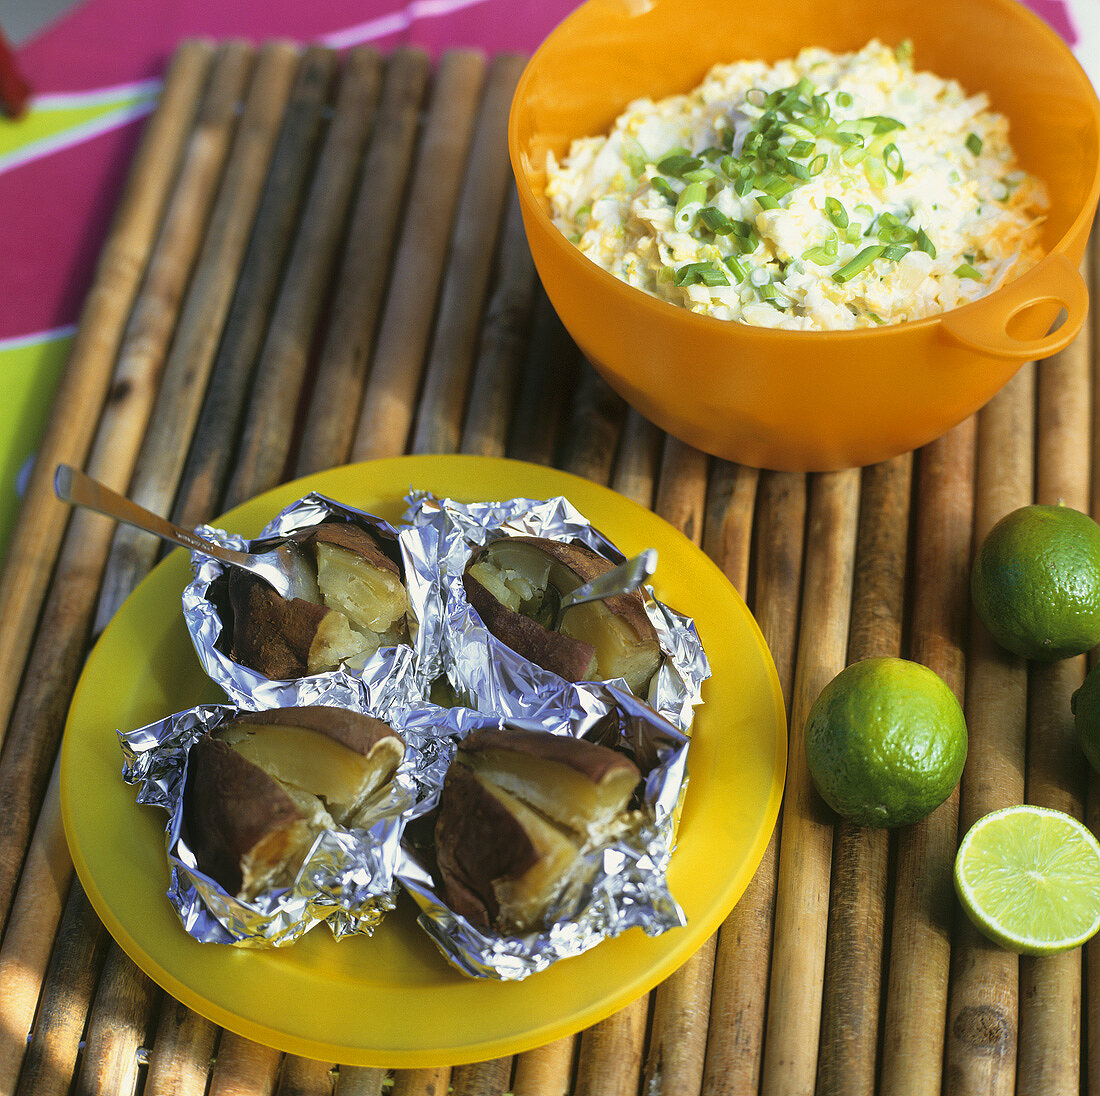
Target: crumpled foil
391, 677
347, 881
627, 885
489, 675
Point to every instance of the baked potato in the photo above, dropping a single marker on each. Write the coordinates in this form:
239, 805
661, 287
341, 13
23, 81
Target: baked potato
355, 603
515, 584
261, 787
517, 812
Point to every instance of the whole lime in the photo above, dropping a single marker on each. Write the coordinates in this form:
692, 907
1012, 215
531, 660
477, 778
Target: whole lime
1085, 705
1035, 582
885, 742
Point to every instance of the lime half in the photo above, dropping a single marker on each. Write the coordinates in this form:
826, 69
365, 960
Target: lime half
1029, 879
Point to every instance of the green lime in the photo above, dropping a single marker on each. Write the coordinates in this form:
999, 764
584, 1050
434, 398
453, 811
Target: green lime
1029, 879
885, 742
1085, 705
1036, 582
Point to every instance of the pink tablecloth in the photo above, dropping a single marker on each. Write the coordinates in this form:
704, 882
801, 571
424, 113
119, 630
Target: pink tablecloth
96, 74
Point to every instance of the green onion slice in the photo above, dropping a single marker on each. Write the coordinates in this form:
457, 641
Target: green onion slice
861, 261
965, 270
924, 243
664, 188
974, 143
716, 221
836, 212
891, 157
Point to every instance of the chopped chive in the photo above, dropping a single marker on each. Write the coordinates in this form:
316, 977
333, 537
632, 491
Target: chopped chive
891, 157
801, 149
924, 243
767, 201
821, 256
741, 228
861, 261
700, 175
965, 270
734, 267
843, 99
882, 123
700, 273
836, 212
875, 172
766, 291
974, 143
895, 251
846, 137
688, 206
852, 233
798, 171
679, 164
853, 155
662, 186
716, 221
818, 164
820, 106
897, 234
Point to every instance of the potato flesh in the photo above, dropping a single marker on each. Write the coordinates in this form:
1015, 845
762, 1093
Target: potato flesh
523, 900
518, 577
566, 796
371, 598
318, 772
620, 652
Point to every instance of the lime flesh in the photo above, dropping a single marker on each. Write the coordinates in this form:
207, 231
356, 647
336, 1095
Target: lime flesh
1029, 879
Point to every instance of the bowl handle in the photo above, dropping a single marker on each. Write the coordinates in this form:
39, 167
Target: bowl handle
1056, 280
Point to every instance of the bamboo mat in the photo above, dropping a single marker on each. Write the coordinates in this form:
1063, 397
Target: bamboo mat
320, 259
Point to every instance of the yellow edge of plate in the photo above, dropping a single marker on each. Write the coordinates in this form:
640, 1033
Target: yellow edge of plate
463, 478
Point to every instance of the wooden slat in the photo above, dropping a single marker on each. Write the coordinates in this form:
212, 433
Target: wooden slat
798, 957
83, 388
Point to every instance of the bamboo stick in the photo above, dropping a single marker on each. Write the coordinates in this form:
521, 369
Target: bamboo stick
481, 1078
681, 1004
594, 428
181, 1052
1050, 989
360, 1081
550, 374
546, 1070
798, 959
56, 656
187, 369
281, 373
305, 1077
610, 1059
390, 394
924, 901
477, 225
735, 1043
80, 945
26, 946
117, 1027
215, 441
40, 525
244, 1068
361, 284
421, 1082
504, 337
857, 916
982, 1018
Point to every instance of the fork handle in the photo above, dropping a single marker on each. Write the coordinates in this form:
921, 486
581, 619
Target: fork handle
73, 486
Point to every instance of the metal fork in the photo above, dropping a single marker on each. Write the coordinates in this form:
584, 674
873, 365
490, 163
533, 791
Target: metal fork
282, 567
627, 576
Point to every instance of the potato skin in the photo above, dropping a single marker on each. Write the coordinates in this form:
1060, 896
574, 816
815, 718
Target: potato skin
354, 730
477, 841
230, 807
271, 634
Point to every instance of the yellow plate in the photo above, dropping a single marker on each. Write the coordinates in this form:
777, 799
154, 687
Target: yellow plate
391, 1000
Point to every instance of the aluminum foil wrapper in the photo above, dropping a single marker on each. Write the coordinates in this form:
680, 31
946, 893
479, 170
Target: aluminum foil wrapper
393, 676
489, 675
628, 885
347, 881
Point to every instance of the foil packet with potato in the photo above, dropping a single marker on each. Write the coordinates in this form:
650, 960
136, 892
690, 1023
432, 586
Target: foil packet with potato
279, 819
546, 837
500, 567
364, 633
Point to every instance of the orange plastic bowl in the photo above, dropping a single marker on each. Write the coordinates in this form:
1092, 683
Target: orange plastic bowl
799, 400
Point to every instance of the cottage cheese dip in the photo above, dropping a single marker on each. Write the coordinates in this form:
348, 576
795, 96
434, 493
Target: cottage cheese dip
831, 191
